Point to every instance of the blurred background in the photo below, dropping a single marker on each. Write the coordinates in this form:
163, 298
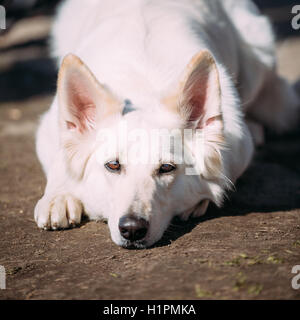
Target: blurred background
25, 67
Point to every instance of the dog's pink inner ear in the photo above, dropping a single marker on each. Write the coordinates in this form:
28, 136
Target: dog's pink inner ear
80, 102
195, 94
201, 93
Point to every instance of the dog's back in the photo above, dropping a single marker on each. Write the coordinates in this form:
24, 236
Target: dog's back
140, 45
156, 39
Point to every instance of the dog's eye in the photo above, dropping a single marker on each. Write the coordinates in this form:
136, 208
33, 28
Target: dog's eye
166, 168
113, 166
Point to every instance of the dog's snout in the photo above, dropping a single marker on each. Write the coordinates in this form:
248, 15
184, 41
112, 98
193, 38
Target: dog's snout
133, 228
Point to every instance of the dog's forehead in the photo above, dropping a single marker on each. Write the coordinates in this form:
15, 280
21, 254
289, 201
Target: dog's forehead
149, 114
141, 133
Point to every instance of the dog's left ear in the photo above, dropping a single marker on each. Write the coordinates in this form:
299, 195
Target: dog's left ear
200, 92
198, 99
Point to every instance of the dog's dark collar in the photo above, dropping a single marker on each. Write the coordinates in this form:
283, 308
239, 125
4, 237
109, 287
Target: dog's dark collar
128, 107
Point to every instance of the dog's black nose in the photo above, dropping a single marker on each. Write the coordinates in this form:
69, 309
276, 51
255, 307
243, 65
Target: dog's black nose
133, 228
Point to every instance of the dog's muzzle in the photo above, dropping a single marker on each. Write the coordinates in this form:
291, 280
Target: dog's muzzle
133, 228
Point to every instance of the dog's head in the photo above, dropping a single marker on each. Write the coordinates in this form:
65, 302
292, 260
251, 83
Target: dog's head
125, 168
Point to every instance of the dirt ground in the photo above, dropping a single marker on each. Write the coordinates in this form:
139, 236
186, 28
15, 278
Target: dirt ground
245, 250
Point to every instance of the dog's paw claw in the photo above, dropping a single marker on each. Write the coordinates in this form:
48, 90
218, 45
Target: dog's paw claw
60, 212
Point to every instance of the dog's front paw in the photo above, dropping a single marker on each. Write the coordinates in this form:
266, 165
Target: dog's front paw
196, 212
60, 212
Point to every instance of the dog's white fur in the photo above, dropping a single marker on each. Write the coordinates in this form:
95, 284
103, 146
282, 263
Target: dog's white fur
150, 51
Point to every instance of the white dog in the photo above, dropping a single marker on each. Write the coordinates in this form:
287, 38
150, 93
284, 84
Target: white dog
207, 66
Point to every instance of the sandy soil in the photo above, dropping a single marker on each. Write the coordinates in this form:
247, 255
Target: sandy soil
245, 250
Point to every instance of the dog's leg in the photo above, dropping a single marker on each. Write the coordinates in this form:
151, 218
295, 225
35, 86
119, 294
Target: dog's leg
277, 106
201, 209
257, 132
58, 208
196, 212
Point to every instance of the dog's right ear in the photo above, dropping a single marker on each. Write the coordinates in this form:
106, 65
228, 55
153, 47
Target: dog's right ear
82, 99
83, 103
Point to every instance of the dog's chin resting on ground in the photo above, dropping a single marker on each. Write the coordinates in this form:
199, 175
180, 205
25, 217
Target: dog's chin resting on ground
129, 70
